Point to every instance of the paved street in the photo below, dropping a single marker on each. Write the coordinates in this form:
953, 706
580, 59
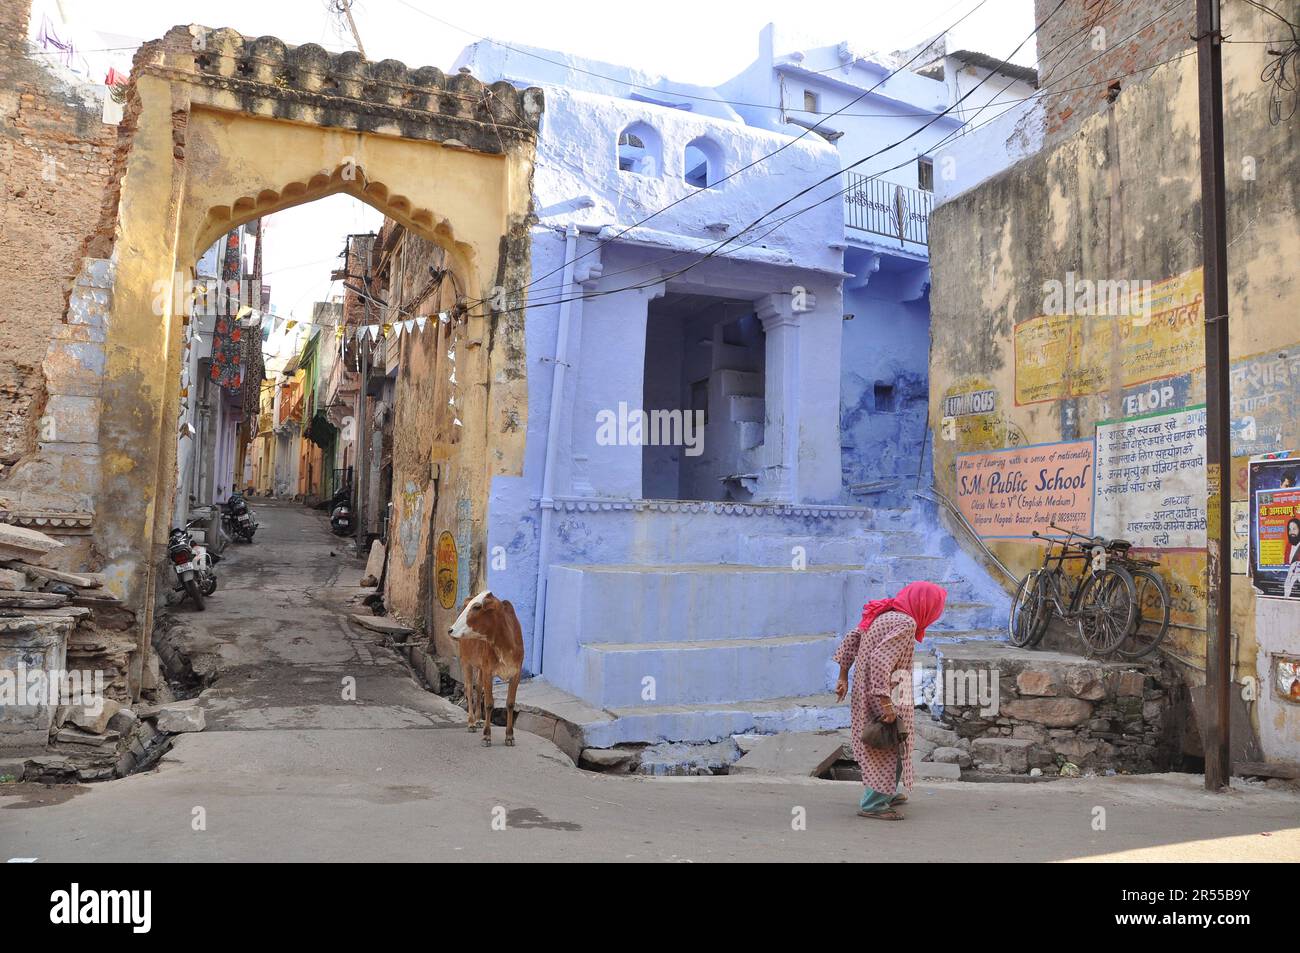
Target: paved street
288, 770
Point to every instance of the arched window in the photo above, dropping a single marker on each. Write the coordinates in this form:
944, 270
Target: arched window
703, 163
639, 150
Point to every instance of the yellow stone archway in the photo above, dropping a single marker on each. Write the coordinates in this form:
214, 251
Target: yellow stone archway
220, 130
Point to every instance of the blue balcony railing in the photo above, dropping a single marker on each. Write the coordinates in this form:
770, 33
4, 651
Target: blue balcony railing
883, 208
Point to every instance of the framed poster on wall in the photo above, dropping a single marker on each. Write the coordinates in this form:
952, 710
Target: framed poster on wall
1275, 527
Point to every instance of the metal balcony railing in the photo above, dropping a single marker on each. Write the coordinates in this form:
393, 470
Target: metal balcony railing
883, 208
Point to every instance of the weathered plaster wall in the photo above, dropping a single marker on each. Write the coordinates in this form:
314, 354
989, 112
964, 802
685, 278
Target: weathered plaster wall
55, 163
884, 392
1120, 199
1091, 42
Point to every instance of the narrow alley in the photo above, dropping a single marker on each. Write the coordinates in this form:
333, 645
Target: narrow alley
286, 770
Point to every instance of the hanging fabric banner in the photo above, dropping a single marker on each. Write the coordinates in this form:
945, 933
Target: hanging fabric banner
227, 369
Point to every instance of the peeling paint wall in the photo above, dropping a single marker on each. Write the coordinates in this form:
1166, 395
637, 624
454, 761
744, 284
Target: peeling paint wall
1119, 199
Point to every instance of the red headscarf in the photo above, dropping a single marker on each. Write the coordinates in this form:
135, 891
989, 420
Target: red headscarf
923, 601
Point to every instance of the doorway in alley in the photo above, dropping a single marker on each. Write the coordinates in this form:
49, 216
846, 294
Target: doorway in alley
703, 399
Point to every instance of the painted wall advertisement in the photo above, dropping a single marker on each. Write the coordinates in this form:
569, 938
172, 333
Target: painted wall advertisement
1152, 335
1151, 479
1265, 401
1008, 494
1275, 527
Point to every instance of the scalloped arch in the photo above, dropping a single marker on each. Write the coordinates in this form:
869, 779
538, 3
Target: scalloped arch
345, 179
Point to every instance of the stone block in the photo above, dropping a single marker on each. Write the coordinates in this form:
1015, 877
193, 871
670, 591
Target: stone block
1085, 683
28, 545
1130, 683
1078, 750
1036, 682
92, 718
123, 722
1029, 733
1052, 712
176, 719
12, 579
79, 736
951, 756
1011, 753
935, 732
936, 771
608, 758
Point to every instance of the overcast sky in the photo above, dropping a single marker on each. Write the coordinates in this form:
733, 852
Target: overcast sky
685, 40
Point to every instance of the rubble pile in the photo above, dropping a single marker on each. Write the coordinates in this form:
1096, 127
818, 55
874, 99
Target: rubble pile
66, 625
1057, 717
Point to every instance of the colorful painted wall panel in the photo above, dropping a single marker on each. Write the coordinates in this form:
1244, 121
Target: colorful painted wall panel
1009, 494
1059, 356
1265, 401
1151, 479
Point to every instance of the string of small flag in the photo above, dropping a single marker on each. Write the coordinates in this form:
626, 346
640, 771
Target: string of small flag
249, 318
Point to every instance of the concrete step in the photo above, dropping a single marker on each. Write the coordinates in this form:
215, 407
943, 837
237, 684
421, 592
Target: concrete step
956, 636
775, 549
745, 409
713, 722
729, 382
693, 602
619, 674
554, 713
961, 616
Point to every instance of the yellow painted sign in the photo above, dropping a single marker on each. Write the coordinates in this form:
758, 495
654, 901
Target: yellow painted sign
1060, 356
971, 418
445, 569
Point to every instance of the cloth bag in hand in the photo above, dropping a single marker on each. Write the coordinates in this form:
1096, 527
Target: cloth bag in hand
884, 735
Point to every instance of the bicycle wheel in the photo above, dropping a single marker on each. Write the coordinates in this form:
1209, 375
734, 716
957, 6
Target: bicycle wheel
1106, 608
1030, 609
1152, 619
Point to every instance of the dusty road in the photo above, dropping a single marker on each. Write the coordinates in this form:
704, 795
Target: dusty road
288, 769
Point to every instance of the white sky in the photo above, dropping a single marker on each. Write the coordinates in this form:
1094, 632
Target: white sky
685, 40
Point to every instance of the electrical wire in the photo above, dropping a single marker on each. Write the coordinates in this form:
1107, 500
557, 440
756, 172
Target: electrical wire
563, 265
1282, 72
716, 250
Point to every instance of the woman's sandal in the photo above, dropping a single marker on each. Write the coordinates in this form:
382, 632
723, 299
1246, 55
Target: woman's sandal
886, 815
898, 799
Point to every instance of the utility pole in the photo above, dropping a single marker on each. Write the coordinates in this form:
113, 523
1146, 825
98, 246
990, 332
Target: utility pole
344, 9
1218, 610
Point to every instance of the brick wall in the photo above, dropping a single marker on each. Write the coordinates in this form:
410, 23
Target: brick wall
55, 164
1089, 42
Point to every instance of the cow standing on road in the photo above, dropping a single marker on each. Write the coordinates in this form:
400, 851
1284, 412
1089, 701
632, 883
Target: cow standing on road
491, 644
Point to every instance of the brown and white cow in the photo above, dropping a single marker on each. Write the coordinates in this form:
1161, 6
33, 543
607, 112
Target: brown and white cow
490, 643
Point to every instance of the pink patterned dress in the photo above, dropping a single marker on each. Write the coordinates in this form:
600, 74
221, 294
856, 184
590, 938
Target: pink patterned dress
876, 655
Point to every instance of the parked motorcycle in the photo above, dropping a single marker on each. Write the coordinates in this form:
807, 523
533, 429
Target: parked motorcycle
193, 566
341, 513
238, 519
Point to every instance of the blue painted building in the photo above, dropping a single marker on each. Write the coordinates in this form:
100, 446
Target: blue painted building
725, 427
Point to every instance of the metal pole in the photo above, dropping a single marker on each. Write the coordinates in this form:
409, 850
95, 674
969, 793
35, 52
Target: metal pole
1218, 621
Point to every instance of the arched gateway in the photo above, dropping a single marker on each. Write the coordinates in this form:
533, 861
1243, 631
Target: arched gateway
221, 129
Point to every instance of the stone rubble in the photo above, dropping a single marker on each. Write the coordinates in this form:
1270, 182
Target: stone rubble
1059, 716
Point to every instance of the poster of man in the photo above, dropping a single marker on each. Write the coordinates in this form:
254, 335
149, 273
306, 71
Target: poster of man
1275, 527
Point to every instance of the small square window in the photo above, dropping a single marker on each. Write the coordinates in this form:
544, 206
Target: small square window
925, 174
884, 394
809, 101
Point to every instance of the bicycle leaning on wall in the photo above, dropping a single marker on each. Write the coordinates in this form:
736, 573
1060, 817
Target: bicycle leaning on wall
1117, 602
